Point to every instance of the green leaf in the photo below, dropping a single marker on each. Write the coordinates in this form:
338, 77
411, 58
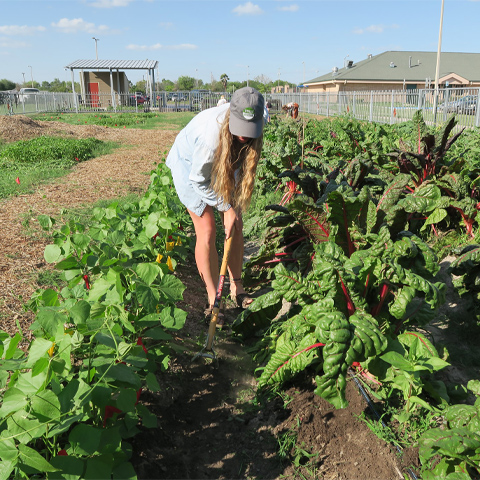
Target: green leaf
172, 318
149, 420
38, 349
69, 468
52, 253
80, 312
99, 467
172, 288
152, 382
81, 240
395, 359
126, 400
148, 297
99, 289
124, 471
12, 346
46, 406
13, 399
148, 272
85, 439
24, 428
8, 449
33, 459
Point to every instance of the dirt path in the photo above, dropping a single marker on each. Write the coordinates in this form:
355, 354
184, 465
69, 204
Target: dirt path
208, 427
120, 173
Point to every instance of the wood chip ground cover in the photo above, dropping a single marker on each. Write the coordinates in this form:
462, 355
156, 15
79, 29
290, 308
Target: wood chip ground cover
208, 427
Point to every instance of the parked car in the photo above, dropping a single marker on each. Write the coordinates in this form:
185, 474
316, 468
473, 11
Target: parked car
465, 105
137, 99
27, 94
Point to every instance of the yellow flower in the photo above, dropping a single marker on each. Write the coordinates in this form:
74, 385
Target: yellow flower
159, 258
169, 246
169, 264
51, 350
179, 241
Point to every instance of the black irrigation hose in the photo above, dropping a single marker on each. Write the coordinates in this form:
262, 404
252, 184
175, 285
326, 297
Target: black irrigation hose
372, 407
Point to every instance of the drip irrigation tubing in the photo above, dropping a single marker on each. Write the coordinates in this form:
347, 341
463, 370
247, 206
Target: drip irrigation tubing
372, 407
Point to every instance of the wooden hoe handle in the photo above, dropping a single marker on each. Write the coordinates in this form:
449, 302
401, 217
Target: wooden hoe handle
218, 298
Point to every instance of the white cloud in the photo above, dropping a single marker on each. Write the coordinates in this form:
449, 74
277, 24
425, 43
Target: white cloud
374, 29
166, 25
248, 9
289, 8
76, 25
159, 46
110, 3
7, 43
20, 30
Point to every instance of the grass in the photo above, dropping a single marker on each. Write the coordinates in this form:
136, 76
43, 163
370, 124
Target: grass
28, 163
141, 120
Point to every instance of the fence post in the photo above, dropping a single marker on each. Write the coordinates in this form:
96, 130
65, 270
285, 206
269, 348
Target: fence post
328, 104
371, 107
477, 109
353, 104
391, 109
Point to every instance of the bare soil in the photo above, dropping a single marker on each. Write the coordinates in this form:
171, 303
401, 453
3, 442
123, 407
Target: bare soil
209, 426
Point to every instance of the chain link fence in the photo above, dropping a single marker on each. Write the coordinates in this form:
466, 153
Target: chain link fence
393, 106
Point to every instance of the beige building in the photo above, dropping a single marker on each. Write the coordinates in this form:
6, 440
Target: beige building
400, 71
96, 88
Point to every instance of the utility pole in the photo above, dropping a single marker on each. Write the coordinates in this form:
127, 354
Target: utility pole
437, 69
31, 73
247, 75
96, 48
23, 77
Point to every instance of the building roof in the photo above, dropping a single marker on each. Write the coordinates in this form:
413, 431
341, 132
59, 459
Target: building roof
409, 66
113, 64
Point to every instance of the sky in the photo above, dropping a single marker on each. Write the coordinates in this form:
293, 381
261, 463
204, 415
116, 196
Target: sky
288, 40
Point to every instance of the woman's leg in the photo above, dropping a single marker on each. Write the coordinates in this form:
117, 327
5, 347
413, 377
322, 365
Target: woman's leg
206, 255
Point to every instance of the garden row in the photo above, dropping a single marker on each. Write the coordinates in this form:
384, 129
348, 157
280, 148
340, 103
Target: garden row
349, 243
74, 399
346, 243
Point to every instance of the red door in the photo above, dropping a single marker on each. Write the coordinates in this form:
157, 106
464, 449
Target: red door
92, 90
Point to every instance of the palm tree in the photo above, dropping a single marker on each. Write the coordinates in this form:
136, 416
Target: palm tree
224, 79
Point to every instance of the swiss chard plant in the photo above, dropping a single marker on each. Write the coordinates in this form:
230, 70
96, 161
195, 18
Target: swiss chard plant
354, 284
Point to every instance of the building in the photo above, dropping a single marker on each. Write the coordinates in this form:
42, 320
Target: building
104, 84
400, 71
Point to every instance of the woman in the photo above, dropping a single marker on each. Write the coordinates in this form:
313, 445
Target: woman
213, 163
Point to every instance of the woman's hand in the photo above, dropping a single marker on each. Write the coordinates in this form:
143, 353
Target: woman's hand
232, 219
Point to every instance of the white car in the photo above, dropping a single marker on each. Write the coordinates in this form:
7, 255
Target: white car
27, 94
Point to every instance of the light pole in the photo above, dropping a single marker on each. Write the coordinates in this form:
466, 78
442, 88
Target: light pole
303, 77
96, 48
435, 99
31, 73
247, 75
23, 77
278, 81
196, 80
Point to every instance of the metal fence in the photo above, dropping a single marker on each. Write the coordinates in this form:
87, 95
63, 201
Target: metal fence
393, 106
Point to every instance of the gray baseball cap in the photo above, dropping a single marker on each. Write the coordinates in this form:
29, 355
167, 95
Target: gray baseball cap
246, 113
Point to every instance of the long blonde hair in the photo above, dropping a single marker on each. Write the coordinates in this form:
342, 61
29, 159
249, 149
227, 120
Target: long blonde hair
229, 157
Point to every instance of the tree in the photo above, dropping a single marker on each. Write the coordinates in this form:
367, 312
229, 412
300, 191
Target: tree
185, 83
224, 79
262, 82
6, 85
